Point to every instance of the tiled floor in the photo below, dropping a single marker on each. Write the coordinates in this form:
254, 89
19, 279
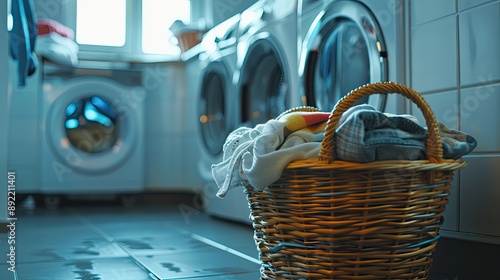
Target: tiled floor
168, 237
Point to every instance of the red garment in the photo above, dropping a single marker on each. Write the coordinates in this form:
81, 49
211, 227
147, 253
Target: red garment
47, 26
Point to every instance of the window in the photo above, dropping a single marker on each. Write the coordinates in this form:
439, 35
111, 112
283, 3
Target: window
157, 17
128, 26
101, 22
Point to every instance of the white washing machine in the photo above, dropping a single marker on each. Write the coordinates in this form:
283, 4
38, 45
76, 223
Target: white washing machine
347, 44
216, 96
92, 138
266, 74
265, 80
283, 26
217, 112
308, 11
191, 142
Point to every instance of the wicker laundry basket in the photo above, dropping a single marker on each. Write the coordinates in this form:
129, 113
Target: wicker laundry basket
332, 219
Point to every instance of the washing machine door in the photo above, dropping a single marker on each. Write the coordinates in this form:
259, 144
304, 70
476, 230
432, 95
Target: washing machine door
343, 49
263, 81
214, 107
90, 126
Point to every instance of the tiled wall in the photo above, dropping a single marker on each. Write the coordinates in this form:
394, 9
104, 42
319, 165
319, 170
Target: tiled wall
455, 64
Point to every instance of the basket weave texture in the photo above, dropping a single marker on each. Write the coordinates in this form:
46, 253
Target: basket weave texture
333, 219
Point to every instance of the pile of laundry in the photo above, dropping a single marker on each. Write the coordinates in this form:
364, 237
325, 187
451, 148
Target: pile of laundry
258, 156
55, 42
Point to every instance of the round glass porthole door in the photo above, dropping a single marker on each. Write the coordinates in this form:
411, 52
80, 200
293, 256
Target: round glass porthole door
91, 124
264, 86
88, 126
213, 117
345, 51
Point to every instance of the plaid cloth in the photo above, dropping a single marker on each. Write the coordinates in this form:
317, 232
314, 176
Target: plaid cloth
455, 143
367, 135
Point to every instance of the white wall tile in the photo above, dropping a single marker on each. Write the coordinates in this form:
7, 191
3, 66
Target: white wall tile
434, 55
444, 105
458, 77
480, 116
466, 4
426, 10
480, 44
451, 214
479, 195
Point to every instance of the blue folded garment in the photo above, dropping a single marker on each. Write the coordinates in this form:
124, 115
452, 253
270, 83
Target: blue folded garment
455, 143
22, 38
365, 135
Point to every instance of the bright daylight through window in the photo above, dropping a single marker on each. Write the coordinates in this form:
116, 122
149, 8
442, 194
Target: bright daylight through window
104, 23
101, 22
157, 17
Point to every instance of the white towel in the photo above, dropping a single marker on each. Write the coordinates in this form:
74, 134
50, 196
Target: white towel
258, 156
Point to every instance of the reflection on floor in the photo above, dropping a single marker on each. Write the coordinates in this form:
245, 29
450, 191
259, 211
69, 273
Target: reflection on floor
158, 239
168, 238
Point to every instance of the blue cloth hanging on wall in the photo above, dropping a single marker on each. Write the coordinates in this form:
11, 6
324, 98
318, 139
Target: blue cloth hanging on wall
22, 38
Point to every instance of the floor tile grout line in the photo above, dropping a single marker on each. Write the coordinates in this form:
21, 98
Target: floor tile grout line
94, 227
224, 248
113, 240
193, 235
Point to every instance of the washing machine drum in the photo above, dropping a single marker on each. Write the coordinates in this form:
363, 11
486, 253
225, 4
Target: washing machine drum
344, 52
90, 125
214, 107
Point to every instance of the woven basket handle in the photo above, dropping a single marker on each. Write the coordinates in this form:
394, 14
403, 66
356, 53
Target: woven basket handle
433, 146
298, 109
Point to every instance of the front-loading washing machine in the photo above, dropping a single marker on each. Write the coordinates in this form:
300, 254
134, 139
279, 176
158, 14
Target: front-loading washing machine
217, 113
265, 80
308, 11
92, 137
216, 95
348, 44
266, 74
283, 26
